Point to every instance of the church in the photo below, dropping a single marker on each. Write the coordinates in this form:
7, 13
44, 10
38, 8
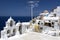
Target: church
12, 28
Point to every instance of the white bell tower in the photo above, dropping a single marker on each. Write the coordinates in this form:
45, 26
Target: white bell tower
10, 22
10, 27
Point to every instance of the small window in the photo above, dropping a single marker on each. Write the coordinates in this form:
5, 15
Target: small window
8, 31
33, 21
53, 23
11, 23
54, 15
41, 28
47, 24
56, 21
39, 23
49, 21
14, 31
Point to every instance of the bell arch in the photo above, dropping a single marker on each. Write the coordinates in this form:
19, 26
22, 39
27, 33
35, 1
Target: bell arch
20, 29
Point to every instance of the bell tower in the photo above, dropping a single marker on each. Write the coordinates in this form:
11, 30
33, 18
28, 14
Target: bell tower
10, 22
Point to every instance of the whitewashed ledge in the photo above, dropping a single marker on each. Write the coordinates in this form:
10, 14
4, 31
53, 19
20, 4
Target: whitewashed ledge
33, 36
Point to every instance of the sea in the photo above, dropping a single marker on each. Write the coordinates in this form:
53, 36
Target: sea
3, 20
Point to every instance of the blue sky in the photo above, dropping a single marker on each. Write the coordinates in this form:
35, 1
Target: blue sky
21, 7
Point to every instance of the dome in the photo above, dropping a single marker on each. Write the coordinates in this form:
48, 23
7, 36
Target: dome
10, 19
18, 23
45, 11
58, 7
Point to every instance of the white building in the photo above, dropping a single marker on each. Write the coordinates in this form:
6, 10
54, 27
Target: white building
48, 23
13, 28
10, 28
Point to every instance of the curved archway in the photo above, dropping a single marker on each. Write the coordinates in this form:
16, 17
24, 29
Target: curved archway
14, 31
20, 29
